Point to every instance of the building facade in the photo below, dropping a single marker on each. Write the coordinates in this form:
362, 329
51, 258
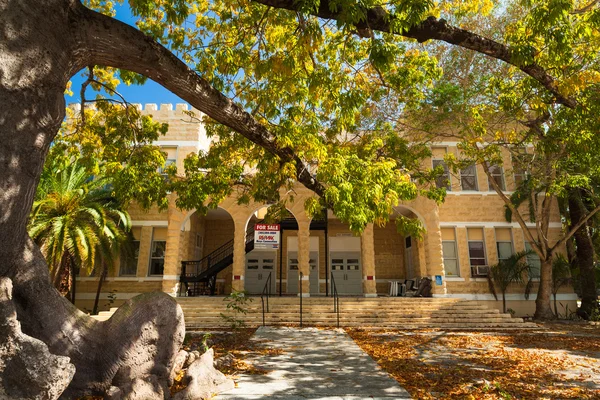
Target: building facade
464, 236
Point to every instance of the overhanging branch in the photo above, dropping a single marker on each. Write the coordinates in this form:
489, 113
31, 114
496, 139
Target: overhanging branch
379, 19
107, 41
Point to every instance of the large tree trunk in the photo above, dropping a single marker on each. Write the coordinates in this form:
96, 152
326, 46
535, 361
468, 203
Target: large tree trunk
584, 254
38, 54
543, 309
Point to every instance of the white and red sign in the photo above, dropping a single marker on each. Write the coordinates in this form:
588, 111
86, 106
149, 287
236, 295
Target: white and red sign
266, 236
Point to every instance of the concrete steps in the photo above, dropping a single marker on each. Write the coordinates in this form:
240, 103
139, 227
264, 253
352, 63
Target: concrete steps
104, 315
382, 312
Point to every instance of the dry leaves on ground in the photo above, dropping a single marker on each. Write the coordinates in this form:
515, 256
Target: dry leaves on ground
471, 365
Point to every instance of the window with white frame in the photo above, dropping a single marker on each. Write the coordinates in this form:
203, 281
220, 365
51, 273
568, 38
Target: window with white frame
468, 178
534, 262
450, 252
171, 157
130, 254
477, 255
437, 159
497, 174
520, 163
504, 243
157, 251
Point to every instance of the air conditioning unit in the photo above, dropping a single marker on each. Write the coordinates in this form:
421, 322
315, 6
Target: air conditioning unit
480, 270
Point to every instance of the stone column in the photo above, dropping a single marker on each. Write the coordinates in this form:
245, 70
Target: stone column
367, 254
144, 253
433, 246
175, 239
239, 255
304, 254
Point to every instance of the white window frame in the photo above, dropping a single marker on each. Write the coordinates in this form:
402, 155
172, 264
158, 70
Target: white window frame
485, 255
533, 257
169, 161
152, 258
511, 242
137, 259
455, 242
446, 174
476, 189
499, 174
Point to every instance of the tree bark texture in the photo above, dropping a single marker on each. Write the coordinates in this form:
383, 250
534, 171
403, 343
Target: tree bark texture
584, 254
39, 51
543, 309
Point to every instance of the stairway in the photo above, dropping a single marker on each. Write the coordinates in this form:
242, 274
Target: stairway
198, 277
104, 315
382, 312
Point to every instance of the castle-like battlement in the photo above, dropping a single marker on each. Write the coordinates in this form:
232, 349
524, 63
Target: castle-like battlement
150, 107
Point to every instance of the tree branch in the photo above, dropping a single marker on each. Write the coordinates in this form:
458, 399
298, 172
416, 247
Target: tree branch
107, 41
515, 212
379, 19
575, 228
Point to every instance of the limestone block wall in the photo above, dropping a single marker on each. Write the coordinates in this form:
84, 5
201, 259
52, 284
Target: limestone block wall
389, 252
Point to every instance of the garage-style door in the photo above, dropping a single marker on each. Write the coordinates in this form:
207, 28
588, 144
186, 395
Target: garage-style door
344, 259
258, 266
345, 267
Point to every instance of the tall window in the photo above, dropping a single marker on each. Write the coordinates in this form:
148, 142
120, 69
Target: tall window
504, 244
468, 178
520, 163
171, 157
497, 174
450, 252
130, 255
157, 251
442, 181
477, 257
534, 262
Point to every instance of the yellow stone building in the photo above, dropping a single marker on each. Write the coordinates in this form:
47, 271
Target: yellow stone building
464, 235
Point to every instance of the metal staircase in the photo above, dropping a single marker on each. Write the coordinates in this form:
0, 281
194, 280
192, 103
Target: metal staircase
199, 277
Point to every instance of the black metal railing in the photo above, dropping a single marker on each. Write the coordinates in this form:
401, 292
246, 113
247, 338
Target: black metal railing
301, 275
206, 269
266, 292
336, 299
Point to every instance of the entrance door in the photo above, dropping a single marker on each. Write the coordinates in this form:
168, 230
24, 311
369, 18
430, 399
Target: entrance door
258, 267
345, 267
292, 276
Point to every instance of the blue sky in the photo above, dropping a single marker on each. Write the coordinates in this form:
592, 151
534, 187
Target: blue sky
150, 92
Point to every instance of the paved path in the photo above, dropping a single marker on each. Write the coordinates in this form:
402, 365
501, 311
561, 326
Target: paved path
313, 364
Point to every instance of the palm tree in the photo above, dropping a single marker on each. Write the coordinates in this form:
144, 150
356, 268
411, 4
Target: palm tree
506, 272
75, 221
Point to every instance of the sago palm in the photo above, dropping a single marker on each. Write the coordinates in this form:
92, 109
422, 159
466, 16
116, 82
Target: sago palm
74, 219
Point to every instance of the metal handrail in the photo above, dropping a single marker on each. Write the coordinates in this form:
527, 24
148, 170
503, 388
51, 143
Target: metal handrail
336, 299
215, 256
266, 292
301, 295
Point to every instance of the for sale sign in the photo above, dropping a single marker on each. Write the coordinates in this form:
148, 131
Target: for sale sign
266, 236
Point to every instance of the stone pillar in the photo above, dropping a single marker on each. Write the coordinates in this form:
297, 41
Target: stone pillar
173, 252
304, 254
144, 253
239, 255
367, 254
434, 256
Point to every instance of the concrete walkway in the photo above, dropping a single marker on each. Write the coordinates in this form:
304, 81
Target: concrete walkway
313, 364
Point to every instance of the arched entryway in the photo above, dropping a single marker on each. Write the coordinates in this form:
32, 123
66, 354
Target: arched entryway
397, 256
207, 252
